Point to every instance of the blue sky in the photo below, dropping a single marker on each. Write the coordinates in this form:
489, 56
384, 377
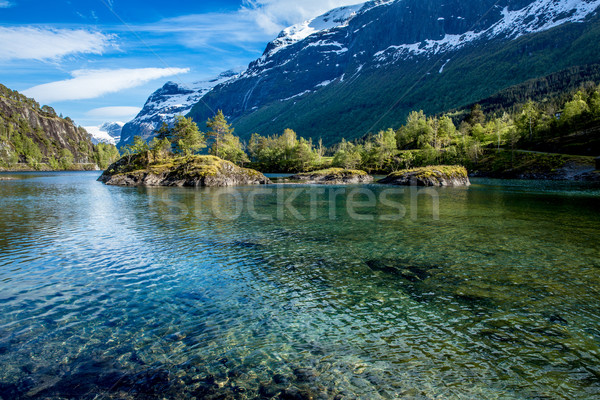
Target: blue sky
98, 60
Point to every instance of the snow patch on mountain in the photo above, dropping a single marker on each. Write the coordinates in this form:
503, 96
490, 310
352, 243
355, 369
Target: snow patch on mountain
334, 19
109, 132
171, 100
536, 17
178, 99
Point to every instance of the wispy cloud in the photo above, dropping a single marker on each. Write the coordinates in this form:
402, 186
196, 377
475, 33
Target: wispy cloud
90, 84
112, 113
26, 43
255, 23
5, 4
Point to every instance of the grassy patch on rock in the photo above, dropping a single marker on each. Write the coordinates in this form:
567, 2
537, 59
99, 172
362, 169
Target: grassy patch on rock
334, 172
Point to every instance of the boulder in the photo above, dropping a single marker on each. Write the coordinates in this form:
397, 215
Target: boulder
142, 170
442, 175
333, 176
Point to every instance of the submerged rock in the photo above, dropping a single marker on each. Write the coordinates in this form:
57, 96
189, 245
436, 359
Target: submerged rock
442, 175
402, 269
333, 176
143, 170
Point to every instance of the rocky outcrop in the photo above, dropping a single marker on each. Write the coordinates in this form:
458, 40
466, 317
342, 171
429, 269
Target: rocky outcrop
442, 175
192, 171
333, 176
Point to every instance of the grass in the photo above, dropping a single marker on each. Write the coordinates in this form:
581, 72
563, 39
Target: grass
438, 171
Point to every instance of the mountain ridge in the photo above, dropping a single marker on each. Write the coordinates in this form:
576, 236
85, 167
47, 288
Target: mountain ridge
170, 100
348, 70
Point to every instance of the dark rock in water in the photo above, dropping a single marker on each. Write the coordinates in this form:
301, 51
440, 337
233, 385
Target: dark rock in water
411, 273
268, 391
280, 379
557, 319
293, 393
305, 374
441, 175
474, 300
10, 391
497, 335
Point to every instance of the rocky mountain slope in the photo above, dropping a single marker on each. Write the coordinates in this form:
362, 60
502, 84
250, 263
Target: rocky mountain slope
31, 135
362, 68
167, 102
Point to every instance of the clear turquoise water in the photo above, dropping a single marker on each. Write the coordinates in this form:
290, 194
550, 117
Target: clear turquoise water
110, 292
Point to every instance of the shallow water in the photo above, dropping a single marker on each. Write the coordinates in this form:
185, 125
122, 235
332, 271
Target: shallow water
110, 292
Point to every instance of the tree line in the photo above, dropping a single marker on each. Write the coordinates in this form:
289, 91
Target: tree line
453, 138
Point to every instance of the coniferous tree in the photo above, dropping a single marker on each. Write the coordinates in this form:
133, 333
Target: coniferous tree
187, 136
219, 127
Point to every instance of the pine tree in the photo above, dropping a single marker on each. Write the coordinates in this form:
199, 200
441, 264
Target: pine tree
218, 129
187, 136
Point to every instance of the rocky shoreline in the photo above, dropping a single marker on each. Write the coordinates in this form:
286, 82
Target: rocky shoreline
192, 171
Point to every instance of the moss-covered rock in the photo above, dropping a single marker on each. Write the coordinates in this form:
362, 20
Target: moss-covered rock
141, 170
333, 176
441, 175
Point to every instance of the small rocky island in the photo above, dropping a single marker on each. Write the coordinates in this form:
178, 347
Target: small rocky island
333, 176
194, 171
441, 175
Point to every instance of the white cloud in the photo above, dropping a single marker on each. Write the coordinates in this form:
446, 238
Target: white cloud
90, 84
5, 4
26, 43
256, 22
112, 113
273, 15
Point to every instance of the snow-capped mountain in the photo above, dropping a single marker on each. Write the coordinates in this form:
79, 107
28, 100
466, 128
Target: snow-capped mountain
169, 101
109, 132
361, 68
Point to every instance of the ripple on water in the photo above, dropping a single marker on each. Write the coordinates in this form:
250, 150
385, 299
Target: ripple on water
105, 295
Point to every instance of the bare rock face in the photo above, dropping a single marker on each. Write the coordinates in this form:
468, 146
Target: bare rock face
442, 175
333, 176
194, 171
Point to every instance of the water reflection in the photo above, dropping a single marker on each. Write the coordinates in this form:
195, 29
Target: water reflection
146, 293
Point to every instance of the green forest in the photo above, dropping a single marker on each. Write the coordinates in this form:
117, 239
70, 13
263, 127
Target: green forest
565, 123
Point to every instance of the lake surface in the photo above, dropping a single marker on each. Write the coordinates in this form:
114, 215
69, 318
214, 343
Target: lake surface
487, 292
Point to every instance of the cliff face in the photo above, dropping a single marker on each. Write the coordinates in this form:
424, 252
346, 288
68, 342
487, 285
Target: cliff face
34, 135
